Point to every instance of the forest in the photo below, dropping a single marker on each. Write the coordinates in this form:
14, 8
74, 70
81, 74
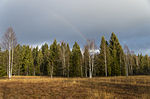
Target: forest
61, 60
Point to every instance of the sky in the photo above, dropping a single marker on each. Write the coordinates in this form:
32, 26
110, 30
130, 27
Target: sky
38, 21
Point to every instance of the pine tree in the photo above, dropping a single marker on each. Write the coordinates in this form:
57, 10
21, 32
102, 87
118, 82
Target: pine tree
103, 58
121, 61
115, 48
75, 69
146, 65
68, 56
40, 61
86, 61
141, 64
55, 66
17, 60
2, 65
45, 64
63, 59
27, 61
35, 60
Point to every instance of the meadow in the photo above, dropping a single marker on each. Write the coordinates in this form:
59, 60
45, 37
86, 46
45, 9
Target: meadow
39, 87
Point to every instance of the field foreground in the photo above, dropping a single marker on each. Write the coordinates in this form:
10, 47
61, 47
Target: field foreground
31, 87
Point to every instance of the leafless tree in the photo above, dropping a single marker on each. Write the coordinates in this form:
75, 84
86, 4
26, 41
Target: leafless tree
8, 43
126, 58
92, 47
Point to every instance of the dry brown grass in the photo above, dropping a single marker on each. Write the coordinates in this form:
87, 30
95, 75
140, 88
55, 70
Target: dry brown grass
33, 87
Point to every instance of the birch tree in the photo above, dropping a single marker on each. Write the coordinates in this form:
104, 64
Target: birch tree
92, 47
9, 42
126, 58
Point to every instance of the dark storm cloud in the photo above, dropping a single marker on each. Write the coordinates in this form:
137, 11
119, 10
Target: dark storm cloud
37, 21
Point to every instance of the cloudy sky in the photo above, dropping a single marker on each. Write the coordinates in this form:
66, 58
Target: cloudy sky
39, 21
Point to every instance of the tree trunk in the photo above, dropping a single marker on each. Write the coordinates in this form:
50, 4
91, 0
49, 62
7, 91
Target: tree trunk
12, 58
85, 69
52, 71
9, 75
105, 61
127, 66
90, 72
92, 64
68, 70
34, 71
81, 71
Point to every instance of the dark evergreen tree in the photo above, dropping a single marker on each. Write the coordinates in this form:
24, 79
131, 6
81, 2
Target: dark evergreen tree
36, 61
86, 61
103, 58
145, 62
27, 60
55, 60
115, 52
75, 69
68, 56
45, 63
2, 63
40, 62
17, 60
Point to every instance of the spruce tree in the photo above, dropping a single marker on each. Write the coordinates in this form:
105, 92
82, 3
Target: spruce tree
35, 61
146, 65
115, 51
17, 60
68, 56
76, 56
27, 61
40, 62
45, 64
63, 58
55, 66
86, 61
103, 58
2, 65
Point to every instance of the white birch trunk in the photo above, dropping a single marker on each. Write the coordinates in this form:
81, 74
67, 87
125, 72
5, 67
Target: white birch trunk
12, 57
90, 71
92, 64
9, 71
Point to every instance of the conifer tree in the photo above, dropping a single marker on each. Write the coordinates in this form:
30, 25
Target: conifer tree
63, 58
17, 59
40, 62
115, 52
68, 56
75, 69
45, 63
55, 61
2, 65
86, 61
146, 65
27, 61
103, 57
35, 60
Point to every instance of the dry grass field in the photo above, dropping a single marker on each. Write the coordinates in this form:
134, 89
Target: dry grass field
31, 87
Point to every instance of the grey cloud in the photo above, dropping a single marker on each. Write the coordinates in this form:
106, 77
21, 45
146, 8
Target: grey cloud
37, 21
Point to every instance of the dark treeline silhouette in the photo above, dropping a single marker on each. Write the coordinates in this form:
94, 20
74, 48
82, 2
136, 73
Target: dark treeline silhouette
59, 61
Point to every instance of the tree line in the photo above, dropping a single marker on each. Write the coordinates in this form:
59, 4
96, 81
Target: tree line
58, 60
